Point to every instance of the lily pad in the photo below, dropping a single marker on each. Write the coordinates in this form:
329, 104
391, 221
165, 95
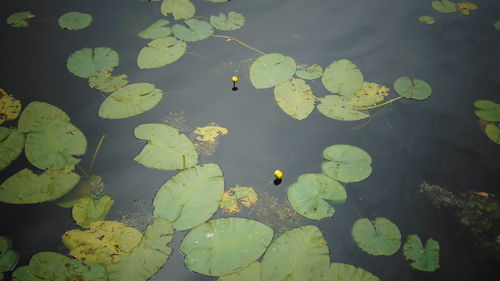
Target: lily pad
466, 7
371, 94
309, 72
295, 255
379, 239
444, 6
180, 9
87, 210
337, 107
8, 260
271, 69
412, 88
103, 243
346, 163
244, 195
210, 133
191, 197
487, 110
342, 77
37, 110
344, 272
231, 21
195, 30
157, 30
424, 258
427, 19
309, 196
89, 62
493, 132
20, 19
75, 20
130, 100
5, 244
90, 186
25, 187
295, 98
11, 146
166, 148
107, 83
251, 272
9, 107
161, 52
223, 246
496, 25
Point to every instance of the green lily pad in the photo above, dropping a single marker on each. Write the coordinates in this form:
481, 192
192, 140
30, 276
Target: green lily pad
25, 187
493, 132
90, 186
424, 258
295, 255
496, 25
346, 163
161, 52
130, 100
166, 148
89, 62
223, 246
309, 72
444, 6
487, 110
180, 9
157, 30
50, 266
52, 144
270, 70
8, 260
11, 146
309, 196
5, 244
191, 197
427, 19
344, 272
39, 110
20, 19
295, 98
379, 239
231, 21
412, 88
87, 210
337, 107
107, 83
251, 272
195, 30
75, 20
342, 77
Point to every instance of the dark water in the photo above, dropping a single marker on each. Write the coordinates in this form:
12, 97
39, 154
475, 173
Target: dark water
437, 140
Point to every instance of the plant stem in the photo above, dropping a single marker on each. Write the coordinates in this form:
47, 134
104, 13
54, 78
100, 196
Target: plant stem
95, 152
238, 41
378, 105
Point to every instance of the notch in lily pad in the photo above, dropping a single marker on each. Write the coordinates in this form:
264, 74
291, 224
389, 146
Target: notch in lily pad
412, 88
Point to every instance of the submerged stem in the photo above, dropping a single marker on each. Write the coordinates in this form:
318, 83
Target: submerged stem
378, 105
95, 152
238, 41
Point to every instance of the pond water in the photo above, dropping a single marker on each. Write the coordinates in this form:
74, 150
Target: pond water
438, 140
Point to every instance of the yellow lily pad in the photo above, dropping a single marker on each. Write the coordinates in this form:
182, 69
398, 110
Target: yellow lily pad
370, 94
466, 7
210, 133
9, 107
238, 194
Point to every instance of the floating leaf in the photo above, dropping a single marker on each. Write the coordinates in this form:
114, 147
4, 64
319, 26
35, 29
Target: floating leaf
412, 88
270, 70
89, 62
233, 21
103, 243
196, 30
295, 98
157, 30
39, 110
166, 148
75, 20
191, 197
25, 187
379, 239
309, 72
493, 132
130, 100
161, 52
371, 94
180, 9
90, 186
466, 7
444, 6
425, 258
427, 19
107, 83
309, 196
5, 244
20, 19
87, 210
223, 246
295, 255
210, 133
496, 25
342, 77
346, 163
487, 110
9, 107
11, 146
238, 194
8, 257
344, 272
337, 107
251, 272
